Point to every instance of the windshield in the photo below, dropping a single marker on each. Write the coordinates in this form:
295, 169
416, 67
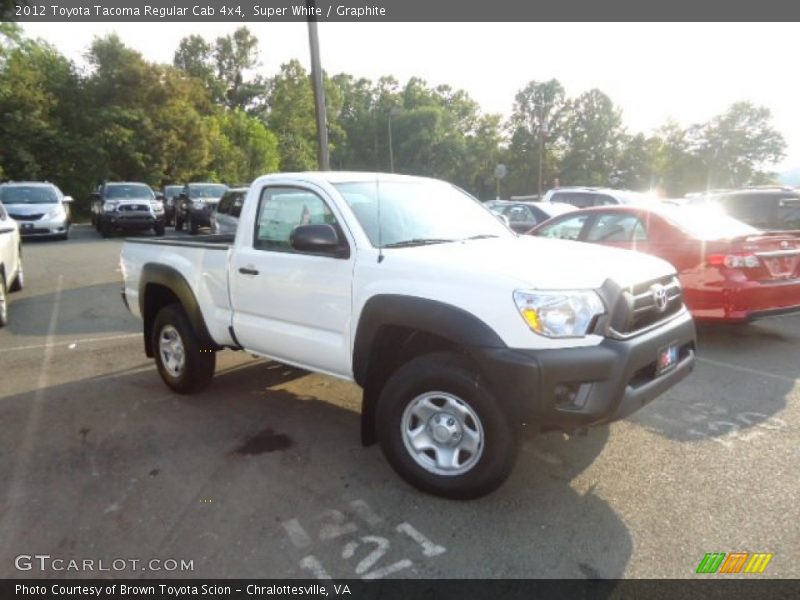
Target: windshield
418, 211
129, 191
708, 223
173, 191
211, 191
28, 194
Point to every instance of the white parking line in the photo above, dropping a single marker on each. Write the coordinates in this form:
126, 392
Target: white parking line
748, 370
71, 342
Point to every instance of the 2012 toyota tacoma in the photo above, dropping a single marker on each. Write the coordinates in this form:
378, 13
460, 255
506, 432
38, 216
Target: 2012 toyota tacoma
457, 330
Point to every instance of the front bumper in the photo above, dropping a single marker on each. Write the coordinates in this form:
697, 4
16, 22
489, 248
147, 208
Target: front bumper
43, 227
201, 217
577, 387
130, 221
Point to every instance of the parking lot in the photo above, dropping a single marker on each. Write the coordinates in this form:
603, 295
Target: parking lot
263, 474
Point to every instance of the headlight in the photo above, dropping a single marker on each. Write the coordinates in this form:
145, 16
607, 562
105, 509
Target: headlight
158, 207
109, 206
198, 204
559, 313
57, 213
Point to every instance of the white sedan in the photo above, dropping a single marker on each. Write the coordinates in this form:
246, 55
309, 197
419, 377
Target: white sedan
11, 276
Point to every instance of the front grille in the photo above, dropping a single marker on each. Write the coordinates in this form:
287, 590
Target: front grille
35, 217
640, 310
137, 207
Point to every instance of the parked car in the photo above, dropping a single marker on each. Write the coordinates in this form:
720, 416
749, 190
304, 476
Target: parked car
457, 329
39, 207
522, 216
11, 273
765, 208
583, 197
225, 219
126, 206
171, 195
729, 270
196, 205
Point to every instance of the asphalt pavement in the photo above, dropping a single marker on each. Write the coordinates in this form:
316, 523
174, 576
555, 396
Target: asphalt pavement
263, 474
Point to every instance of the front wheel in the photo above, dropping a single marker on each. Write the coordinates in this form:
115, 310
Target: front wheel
183, 363
443, 430
193, 227
159, 229
105, 229
178, 224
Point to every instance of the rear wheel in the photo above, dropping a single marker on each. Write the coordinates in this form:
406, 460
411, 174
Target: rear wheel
443, 430
183, 363
3, 301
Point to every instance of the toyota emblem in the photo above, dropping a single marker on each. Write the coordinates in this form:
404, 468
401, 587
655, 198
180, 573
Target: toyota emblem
660, 298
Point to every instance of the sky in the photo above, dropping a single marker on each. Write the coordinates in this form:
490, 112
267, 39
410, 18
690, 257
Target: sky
651, 71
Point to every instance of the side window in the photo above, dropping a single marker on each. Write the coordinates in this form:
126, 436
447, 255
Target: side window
565, 229
753, 209
576, 199
604, 200
236, 207
280, 210
519, 214
617, 228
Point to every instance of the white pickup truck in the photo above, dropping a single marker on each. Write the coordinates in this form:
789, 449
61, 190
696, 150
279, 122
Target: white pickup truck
457, 330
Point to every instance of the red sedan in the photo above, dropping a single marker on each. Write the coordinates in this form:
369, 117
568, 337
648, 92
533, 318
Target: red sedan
729, 270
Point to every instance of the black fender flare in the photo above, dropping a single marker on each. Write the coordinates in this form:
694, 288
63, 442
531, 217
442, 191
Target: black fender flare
443, 320
171, 278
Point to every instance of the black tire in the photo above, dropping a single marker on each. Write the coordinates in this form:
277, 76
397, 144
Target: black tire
19, 280
178, 224
199, 362
192, 224
3, 301
159, 229
452, 374
105, 229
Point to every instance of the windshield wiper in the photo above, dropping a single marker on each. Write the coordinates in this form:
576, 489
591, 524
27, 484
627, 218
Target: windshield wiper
482, 236
416, 242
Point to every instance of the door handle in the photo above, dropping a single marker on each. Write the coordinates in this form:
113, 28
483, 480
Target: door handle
248, 271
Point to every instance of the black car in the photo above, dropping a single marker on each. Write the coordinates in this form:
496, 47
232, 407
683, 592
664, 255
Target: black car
764, 208
126, 206
196, 205
171, 195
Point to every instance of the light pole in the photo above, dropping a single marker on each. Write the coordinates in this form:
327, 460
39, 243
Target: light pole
394, 111
542, 132
323, 155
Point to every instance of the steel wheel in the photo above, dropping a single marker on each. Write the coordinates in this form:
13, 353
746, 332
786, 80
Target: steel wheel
442, 433
173, 354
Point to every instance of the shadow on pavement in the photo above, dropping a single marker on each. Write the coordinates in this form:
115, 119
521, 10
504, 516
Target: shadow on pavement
730, 396
121, 467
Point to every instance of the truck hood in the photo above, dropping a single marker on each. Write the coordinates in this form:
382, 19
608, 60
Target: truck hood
540, 263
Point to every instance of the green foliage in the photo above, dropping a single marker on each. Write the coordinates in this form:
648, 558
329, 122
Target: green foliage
209, 116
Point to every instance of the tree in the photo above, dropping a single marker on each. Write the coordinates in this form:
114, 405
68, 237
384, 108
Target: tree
592, 140
736, 146
537, 104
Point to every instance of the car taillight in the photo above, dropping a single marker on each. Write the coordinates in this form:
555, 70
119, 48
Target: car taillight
734, 261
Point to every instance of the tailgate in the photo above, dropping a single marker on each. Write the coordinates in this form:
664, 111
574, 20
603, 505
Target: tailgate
778, 254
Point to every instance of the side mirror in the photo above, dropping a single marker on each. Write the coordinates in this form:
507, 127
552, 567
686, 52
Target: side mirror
68, 199
159, 196
504, 220
319, 239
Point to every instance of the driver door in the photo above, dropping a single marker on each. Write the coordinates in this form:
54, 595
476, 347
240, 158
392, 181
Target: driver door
288, 305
